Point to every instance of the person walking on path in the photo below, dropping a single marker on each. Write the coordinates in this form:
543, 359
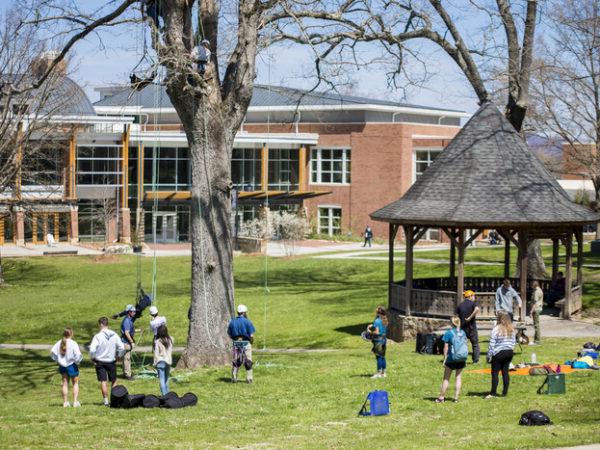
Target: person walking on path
455, 357
368, 235
467, 312
67, 354
163, 357
505, 296
241, 331
500, 352
104, 350
536, 310
378, 332
127, 334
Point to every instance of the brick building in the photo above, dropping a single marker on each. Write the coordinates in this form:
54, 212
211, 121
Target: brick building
339, 157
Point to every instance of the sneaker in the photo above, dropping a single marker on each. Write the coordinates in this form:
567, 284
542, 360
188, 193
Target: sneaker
76, 405
377, 375
234, 380
383, 375
105, 402
66, 404
250, 381
490, 396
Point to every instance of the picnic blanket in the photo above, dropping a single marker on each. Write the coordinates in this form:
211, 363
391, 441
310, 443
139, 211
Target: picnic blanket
525, 370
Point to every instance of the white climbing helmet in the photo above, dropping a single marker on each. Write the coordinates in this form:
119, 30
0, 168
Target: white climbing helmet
153, 310
242, 309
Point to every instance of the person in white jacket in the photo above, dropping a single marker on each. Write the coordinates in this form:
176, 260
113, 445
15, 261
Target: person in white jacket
156, 320
68, 356
106, 346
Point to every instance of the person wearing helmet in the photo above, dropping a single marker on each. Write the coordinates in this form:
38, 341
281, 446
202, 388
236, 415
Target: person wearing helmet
127, 333
241, 331
156, 320
467, 312
201, 55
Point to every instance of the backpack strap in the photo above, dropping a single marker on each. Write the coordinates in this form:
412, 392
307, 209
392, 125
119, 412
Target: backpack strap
539, 391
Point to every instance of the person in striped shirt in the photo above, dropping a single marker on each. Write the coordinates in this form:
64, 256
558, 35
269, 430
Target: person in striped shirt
500, 352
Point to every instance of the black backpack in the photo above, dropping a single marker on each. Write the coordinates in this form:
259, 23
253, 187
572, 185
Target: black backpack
133, 401
534, 418
189, 399
117, 396
151, 401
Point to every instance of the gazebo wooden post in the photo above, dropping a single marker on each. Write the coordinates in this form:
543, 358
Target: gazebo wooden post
555, 247
452, 259
408, 277
523, 266
392, 236
579, 237
568, 274
460, 285
507, 255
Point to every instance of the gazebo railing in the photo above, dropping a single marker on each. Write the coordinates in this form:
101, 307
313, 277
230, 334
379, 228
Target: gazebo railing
436, 297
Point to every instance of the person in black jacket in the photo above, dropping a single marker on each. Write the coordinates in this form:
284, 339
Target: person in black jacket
368, 235
467, 312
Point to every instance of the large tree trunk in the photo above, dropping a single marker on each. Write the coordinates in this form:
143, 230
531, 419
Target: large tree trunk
536, 267
212, 256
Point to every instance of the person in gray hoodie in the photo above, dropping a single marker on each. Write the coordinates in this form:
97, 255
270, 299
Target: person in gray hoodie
105, 348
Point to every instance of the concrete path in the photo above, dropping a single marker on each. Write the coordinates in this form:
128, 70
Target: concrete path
552, 326
148, 348
13, 251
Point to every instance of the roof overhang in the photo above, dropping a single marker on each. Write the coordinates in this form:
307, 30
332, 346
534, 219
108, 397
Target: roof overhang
242, 139
136, 110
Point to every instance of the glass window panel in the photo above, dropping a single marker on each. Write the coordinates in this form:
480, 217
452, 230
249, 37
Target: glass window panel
325, 177
337, 166
182, 172
325, 154
325, 166
337, 177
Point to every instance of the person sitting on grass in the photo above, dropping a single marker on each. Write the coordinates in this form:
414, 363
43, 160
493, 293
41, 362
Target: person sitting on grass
68, 356
104, 350
163, 357
378, 332
455, 357
500, 352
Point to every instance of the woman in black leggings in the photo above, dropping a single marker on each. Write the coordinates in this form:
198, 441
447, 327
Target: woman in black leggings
500, 351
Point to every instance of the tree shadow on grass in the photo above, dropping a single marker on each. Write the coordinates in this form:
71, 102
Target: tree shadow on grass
354, 330
477, 394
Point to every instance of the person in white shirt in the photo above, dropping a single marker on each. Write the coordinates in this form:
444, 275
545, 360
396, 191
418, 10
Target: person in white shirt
106, 346
201, 55
68, 356
163, 357
156, 320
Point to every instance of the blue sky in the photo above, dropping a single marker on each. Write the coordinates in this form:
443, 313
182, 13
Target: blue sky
109, 57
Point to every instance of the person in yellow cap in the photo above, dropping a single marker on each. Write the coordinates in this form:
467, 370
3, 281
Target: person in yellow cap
467, 312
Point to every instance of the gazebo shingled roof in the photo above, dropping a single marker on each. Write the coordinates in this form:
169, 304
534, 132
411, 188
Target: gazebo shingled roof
488, 177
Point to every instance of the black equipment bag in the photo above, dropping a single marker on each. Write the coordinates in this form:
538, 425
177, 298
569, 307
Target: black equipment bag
173, 402
534, 418
167, 396
429, 344
133, 401
420, 343
151, 401
189, 399
117, 396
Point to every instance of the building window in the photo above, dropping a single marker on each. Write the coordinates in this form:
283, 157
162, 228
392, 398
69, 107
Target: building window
173, 169
423, 159
99, 165
330, 220
245, 169
283, 169
330, 166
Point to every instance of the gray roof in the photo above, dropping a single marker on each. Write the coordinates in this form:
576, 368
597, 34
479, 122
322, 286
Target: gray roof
486, 177
65, 97
154, 96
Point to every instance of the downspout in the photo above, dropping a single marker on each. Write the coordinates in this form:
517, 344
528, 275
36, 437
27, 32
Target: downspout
297, 121
394, 116
440, 119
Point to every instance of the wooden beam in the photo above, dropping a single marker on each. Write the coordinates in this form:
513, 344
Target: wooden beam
460, 286
453, 262
264, 169
302, 180
523, 270
34, 229
393, 229
579, 236
2, 232
555, 249
19, 162
408, 276
125, 168
140, 174
56, 227
72, 168
506, 257
473, 237
568, 276
419, 234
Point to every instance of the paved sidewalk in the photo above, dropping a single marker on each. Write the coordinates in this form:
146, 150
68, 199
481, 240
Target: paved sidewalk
13, 251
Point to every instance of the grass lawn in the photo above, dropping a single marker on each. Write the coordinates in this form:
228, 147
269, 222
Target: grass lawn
300, 400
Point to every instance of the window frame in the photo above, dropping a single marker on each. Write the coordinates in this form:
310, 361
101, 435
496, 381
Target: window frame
330, 218
346, 166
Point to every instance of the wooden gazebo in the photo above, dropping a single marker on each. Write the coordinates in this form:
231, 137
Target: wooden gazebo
487, 178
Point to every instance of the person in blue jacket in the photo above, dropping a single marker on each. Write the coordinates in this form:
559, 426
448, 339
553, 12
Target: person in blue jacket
241, 331
378, 332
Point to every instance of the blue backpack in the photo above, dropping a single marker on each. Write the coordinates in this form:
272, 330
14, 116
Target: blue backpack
459, 349
379, 404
